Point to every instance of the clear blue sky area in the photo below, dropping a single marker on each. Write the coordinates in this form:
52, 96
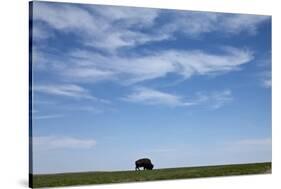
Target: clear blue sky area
114, 84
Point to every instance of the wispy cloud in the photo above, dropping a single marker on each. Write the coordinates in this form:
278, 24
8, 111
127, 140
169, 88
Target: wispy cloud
103, 27
52, 116
61, 142
221, 98
265, 73
236, 23
88, 74
94, 109
154, 97
194, 24
92, 67
41, 33
68, 90
267, 80
267, 83
148, 96
83, 101
111, 27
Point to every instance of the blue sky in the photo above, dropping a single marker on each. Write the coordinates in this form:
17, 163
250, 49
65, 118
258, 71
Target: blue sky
113, 84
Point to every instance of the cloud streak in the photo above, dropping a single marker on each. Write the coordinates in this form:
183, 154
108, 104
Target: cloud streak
102, 27
154, 97
194, 24
149, 96
267, 78
267, 83
67, 90
51, 116
91, 67
221, 98
111, 27
62, 142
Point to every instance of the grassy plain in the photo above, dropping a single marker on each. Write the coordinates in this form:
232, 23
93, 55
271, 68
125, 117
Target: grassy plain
85, 178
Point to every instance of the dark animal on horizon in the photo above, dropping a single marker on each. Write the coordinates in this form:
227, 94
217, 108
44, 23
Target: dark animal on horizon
145, 163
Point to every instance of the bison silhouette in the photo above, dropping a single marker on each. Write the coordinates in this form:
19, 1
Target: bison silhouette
145, 163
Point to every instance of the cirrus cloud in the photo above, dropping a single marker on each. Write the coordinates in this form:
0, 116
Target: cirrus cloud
154, 97
111, 28
147, 96
68, 90
92, 67
61, 142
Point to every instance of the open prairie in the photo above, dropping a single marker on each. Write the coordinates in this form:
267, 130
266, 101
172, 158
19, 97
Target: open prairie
83, 178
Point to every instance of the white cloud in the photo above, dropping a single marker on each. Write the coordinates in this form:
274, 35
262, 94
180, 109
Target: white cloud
64, 17
194, 24
108, 28
236, 23
98, 27
154, 97
266, 78
68, 90
88, 74
52, 116
221, 98
148, 96
267, 83
91, 67
84, 100
191, 24
128, 16
111, 27
40, 32
61, 142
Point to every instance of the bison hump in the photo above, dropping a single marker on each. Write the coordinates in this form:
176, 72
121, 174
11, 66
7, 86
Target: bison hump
143, 160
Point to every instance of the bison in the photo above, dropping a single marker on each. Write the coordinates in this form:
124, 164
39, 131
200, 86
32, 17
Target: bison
145, 163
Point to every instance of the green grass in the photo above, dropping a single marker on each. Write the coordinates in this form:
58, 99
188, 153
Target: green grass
84, 178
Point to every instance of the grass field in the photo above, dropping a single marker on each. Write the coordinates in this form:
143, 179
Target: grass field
84, 178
